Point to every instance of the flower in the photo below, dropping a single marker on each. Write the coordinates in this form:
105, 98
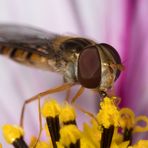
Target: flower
123, 24
111, 127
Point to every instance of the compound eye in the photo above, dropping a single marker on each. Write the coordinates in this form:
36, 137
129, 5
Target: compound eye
89, 67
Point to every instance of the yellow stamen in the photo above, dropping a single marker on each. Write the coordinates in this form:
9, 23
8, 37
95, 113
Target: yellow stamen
67, 114
127, 118
91, 135
51, 109
108, 114
117, 137
139, 128
59, 145
11, 133
86, 143
69, 134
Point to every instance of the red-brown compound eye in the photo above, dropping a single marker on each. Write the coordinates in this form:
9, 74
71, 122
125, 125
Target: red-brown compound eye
89, 67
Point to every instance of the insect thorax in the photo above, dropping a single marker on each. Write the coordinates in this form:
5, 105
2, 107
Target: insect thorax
69, 49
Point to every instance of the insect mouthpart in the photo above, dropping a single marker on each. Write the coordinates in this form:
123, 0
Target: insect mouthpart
97, 66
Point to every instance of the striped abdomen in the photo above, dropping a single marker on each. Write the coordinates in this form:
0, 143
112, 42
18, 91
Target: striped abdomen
25, 57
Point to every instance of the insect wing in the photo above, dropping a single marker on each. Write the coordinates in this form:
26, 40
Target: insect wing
26, 45
28, 38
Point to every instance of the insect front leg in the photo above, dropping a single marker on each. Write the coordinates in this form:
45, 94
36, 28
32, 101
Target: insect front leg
78, 94
68, 95
40, 123
42, 94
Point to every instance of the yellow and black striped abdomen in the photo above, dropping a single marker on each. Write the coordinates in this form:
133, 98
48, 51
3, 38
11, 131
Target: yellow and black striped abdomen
25, 57
28, 45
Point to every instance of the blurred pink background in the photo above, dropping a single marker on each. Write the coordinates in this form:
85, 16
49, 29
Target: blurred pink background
123, 24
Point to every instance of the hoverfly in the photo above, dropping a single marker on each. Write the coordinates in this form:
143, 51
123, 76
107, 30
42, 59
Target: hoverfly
80, 60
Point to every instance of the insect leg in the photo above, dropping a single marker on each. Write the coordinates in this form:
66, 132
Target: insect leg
68, 95
86, 112
42, 94
40, 124
79, 92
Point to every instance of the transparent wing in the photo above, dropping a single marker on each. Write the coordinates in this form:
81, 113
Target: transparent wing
27, 45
